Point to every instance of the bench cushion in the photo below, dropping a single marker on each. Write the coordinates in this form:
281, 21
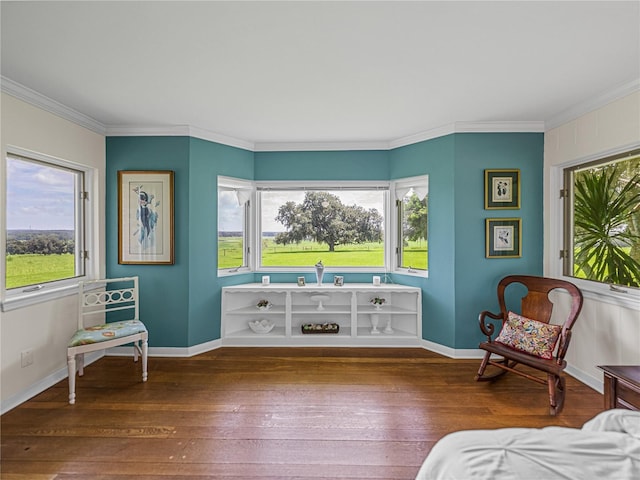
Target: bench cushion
106, 331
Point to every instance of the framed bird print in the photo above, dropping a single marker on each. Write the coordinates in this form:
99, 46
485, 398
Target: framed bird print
145, 217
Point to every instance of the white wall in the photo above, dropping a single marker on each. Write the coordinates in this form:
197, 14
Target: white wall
45, 328
608, 329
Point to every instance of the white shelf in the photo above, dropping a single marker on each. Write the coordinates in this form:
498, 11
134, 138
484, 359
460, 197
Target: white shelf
276, 310
366, 332
328, 310
346, 305
386, 310
248, 333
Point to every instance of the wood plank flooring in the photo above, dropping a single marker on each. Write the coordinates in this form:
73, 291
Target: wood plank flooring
268, 413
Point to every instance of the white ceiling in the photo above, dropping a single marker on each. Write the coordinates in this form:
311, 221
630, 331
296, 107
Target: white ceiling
268, 72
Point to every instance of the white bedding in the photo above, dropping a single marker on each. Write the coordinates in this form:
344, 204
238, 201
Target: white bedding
607, 447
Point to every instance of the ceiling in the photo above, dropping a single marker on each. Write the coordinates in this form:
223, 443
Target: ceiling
303, 71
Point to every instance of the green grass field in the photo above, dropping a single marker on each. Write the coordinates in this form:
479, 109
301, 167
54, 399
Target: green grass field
31, 269
308, 253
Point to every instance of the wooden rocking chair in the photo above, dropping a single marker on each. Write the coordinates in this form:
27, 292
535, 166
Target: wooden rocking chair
536, 306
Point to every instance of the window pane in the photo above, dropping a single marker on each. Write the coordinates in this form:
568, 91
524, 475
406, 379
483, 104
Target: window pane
231, 230
42, 223
413, 245
343, 228
605, 229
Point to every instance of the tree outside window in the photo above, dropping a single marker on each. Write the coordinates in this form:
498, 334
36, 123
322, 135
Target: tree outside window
414, 232
604, 214
342, 227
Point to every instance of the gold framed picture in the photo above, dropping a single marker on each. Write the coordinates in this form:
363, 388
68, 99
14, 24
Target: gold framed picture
503, 237
501, 189
145, 217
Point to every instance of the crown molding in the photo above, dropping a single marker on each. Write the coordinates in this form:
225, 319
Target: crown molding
500, 127
147, 131
423, 136
319, 146
36, 99
223, 139
592, 104
176, 131
469, 127
457, 127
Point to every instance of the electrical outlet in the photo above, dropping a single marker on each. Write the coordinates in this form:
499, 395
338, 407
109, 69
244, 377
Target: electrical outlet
26, 358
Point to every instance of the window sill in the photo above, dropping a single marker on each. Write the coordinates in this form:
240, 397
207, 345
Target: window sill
629, 297
234, 271
412, 273
46, 294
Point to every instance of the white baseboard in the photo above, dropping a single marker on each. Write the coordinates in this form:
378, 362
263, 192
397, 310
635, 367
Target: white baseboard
596, 383
463, 353
169, 351
41, 385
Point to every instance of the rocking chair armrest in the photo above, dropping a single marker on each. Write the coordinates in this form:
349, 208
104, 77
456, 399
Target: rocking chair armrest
488, 328
565, 337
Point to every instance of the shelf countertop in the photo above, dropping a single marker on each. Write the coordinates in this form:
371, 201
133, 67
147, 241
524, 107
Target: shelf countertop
327, 287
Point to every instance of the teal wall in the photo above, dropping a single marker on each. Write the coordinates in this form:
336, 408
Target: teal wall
352, 165
476, 277
181, 303
164, 289
435, 158
207, 161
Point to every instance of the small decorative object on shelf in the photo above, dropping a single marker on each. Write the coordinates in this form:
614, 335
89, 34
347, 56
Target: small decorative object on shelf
388, 330
377, 302
374, 323
320, 299
319, 272
264, 304
262, 326
320, 328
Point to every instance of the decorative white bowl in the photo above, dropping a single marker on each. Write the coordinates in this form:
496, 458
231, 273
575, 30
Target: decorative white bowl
265, 307
261, 326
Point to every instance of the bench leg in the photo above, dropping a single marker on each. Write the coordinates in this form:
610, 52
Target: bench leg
71, 367
145, 350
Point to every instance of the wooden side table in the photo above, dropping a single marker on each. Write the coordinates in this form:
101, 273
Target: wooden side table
621, 386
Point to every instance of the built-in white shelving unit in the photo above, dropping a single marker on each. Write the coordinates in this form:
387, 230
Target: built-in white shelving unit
397, 323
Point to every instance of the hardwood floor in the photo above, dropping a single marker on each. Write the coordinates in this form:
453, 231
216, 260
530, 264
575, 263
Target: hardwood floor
267, 413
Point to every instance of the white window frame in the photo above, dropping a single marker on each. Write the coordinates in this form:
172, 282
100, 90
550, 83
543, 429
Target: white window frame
621, 296
247, 188
421, 181
327, 186
84, 227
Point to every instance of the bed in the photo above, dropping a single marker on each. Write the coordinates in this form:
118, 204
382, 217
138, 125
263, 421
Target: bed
606, 447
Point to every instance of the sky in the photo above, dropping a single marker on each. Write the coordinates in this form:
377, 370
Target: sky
39, 197
230, 214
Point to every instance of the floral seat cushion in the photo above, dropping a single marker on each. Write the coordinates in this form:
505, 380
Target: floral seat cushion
529, 336
107, 331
